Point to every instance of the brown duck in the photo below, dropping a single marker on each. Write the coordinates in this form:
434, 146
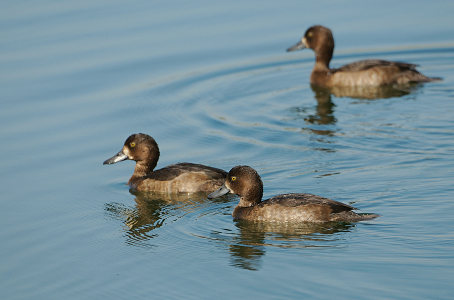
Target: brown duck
371, 72
245, 182
177, 178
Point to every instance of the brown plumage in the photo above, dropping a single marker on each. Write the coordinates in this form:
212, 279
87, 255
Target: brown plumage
372, 72
246, 183
177, 178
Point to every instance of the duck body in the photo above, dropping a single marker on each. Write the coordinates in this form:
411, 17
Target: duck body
299, 207
371, 72
180, 178
176, 178
245, 182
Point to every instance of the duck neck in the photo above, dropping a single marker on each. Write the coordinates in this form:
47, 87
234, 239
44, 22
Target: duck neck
252, 197
142, 169
322, 58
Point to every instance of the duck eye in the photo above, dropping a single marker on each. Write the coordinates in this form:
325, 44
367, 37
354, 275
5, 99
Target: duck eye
233, 178
132, 144
310, 34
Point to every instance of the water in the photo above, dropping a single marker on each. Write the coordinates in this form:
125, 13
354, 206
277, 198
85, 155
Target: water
212, 83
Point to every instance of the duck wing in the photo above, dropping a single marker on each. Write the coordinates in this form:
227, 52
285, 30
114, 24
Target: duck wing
293, 200
371, 63
172, 171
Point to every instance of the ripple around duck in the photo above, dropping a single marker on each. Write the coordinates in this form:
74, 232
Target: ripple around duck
217, 102
151, 214
215, 106
210, 107
182, 222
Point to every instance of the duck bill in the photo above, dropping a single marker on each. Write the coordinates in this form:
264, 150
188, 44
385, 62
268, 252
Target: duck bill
298, 46
219, 192
120, 156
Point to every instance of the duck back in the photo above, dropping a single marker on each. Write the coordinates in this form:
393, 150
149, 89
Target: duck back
181, 178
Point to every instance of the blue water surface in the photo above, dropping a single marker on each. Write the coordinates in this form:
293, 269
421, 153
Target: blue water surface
212, 83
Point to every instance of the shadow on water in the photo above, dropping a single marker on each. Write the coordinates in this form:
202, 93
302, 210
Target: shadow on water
151, 211
247, 248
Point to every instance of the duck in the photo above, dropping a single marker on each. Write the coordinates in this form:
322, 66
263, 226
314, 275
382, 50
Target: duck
245, 182
176, 178
370, 72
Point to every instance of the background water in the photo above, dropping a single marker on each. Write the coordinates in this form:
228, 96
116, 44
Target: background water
212, 83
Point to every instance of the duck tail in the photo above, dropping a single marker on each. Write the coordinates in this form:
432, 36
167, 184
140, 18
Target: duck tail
366, 216
434, 79
350, 216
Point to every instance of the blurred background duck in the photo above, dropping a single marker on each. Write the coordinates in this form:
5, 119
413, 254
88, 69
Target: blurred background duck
371, 72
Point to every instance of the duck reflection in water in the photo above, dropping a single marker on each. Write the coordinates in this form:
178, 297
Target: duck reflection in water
325, 108
152, 210
248, 247
322, 121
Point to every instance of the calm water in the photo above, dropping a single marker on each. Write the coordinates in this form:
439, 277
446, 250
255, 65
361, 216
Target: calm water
212, 83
